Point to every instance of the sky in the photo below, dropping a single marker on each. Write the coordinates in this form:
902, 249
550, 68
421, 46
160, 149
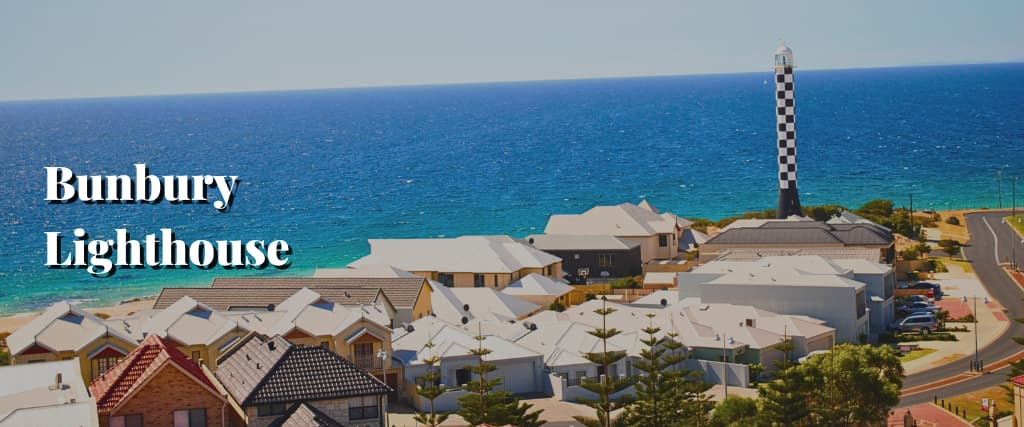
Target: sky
75, 49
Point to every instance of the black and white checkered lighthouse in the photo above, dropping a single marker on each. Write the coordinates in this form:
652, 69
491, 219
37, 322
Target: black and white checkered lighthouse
789, 200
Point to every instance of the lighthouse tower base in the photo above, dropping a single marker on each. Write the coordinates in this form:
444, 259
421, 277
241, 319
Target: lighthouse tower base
789, 203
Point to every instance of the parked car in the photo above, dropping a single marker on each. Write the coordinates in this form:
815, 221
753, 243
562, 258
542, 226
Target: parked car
916, 298
922, 323
919, 306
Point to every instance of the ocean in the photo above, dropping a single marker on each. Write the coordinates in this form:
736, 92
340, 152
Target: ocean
327, 169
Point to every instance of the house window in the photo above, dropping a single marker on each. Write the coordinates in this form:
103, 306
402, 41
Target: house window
325, 344
446, 279
495, 280
462, 377
547, 270
580, 375
663, 240
131, 420
605, 260
478, 280
103, 364
270, 409
363, 353
195, 356
364, 407
190, 417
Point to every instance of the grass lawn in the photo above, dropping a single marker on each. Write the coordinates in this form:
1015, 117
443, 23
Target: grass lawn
966, 266
1017, 222
972, 401
916, 354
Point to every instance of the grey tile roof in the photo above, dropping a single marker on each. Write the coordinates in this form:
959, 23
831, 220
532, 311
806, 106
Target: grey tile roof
275, 371
259, 296
305, 415
402, 291
805, 232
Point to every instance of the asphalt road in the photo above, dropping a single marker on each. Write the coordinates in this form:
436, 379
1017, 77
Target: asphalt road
991, 242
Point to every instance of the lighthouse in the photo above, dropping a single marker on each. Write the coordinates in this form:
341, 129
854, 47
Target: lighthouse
785, 118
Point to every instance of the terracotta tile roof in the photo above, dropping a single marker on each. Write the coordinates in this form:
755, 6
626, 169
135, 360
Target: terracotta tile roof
113, 386
305, 415
262, 371
1019, 380
228, 298
402, 291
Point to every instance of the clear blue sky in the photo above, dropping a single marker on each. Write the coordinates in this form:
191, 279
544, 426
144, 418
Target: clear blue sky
72, 49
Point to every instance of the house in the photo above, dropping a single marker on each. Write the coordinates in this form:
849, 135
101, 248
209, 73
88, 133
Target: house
803, 285
409, 296
267, 377
305, 415
367, 271
66, 332
847, 217
800, 234
464, 262
657, 233
45, 394
591, 256
540, 290
659, 280
158, 385
520, 369
460, 305
196, 330
242, 299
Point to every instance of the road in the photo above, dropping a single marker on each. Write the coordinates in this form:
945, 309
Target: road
991, 241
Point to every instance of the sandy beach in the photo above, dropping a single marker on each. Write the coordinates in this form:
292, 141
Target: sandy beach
125, 309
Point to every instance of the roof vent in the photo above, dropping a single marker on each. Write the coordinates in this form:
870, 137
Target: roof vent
465, 307
531, 240
465, 320
664, 302
347, 295
258, 365
530, 325
271, 307
409, 328
272, 345
58, 382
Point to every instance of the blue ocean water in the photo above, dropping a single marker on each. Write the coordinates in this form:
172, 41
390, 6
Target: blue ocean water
325, 170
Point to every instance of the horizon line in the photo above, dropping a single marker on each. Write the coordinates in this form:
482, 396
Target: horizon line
483, 82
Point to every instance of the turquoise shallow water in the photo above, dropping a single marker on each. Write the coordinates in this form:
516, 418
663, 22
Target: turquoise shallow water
325, 170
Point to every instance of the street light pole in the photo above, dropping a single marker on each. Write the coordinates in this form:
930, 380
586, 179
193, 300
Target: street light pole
725, 370
999, 186
977, 367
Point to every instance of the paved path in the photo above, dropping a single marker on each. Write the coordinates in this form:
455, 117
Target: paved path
990, 241
926, 415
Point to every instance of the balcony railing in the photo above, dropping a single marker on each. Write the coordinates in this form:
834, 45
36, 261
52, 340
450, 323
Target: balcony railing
368, 362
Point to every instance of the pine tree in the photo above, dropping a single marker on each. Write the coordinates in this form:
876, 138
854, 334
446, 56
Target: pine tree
782, 400
605, 386
656, 405
1016, 368
485, 405
431, 389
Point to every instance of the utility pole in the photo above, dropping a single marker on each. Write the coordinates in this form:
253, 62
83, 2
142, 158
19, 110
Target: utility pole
725, 370
911, 213
977, 365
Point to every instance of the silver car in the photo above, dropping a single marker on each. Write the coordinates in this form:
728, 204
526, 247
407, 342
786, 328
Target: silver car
920, 323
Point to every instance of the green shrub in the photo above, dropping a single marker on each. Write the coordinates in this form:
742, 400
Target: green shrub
556, 306
952, 221
589, 296
625, 283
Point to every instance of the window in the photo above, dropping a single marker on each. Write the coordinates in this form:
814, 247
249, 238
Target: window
364, 356
547, 270
663, 240
861, 305
364, 407
478, 280
325, 344
190, 417
605, 260
580, 375
270, 409
446, 279
102, 364
196, 356
131, 420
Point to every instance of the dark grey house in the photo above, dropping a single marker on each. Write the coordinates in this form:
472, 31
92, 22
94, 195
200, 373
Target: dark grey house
588, 257
270, 379
773, 235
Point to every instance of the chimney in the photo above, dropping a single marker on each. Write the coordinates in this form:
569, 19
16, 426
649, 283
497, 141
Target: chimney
58, 382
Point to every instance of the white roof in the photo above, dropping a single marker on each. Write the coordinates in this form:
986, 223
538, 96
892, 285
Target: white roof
364, 271
449, 304
757, 223
847, 217
64, 327
654, 298
191, 322
27, 399
563, 337
537, 284
449, 341
466, 254
801, 270
660, 278
308, 312
863, 266
625, 219
580, 242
